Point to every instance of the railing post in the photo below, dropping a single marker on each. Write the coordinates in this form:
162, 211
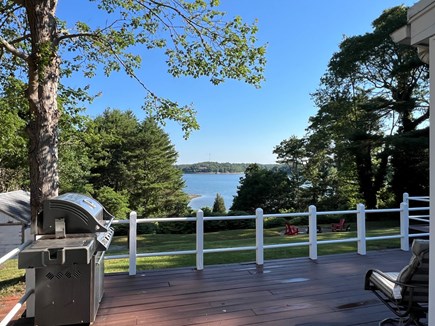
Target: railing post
132, 245
312, 227
406, 198
199, 240
404, 226
259, 236
30, 280
361, 229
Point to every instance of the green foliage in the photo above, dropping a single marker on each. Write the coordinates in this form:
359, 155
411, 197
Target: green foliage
386, 86
273, 222
73, 160
372, 111
219, 204
136, 160
13, 139
109, 138
115, 202
158, 185
197, 39
268, 189
237, 224
293, 153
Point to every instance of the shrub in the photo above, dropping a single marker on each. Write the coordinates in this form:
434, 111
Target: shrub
273, 222
298, 220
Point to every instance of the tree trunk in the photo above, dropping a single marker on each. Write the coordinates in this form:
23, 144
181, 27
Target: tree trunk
43, 76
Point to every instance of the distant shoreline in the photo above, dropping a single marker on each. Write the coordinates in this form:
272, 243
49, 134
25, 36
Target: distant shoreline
219, 168
213, 172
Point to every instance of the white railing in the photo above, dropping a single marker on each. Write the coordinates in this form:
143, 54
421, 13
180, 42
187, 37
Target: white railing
420, 218
30, 283
259, 247
361, 238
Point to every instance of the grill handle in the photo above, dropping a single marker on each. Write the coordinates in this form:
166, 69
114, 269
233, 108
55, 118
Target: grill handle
53, 256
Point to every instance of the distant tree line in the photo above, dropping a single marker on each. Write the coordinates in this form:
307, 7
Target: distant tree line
216, 167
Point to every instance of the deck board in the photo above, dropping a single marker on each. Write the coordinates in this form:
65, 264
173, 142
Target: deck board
299, 291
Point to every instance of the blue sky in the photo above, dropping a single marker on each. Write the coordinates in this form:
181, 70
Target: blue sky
239, 123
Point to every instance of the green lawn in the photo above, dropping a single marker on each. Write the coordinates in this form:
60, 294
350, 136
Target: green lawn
239, 238
11, 279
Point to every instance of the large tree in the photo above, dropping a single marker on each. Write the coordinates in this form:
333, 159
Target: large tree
134, 162
157, 185
13, 141
292, 153
33, 45
267, 189
383, 87
370, 133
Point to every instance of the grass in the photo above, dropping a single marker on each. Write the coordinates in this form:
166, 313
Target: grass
239, 238
12, 280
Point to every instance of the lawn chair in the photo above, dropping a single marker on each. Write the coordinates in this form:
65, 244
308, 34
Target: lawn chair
340, 226
291, 229
404, 293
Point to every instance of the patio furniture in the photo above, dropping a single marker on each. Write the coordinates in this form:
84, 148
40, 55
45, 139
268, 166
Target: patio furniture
406, 292
291, 229
340, 226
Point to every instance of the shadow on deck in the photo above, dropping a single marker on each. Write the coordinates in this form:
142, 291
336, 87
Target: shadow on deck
284, 292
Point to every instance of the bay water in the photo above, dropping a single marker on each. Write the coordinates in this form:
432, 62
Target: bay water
206, 186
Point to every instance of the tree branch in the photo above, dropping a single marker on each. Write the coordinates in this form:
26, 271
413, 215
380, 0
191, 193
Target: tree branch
70, 36
13, 50
190, 22
420, 119
91, 35
22, 38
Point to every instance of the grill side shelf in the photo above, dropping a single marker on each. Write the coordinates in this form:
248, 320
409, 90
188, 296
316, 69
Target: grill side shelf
46, 252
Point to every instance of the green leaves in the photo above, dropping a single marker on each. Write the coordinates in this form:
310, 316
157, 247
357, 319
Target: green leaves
197, 39
134, 161
370, 95
268, 189
218, 49
219, 204
160, 109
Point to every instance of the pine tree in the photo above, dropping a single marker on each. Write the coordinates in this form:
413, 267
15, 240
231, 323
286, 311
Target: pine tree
157, 184
137, 158
219, 204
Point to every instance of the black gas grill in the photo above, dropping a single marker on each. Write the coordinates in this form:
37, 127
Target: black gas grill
68, 257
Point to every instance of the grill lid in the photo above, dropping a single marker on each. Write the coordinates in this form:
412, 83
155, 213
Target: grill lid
81, 214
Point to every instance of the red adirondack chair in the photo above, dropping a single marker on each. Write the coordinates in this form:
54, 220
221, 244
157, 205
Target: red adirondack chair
340, 226
291, 229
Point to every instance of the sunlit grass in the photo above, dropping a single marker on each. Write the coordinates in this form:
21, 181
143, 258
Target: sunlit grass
148, 243
11, 279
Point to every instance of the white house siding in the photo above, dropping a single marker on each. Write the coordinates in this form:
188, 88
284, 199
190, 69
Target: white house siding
14, 216
10, 237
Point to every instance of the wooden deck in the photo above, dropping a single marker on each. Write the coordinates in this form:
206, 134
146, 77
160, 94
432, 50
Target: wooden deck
285, 292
